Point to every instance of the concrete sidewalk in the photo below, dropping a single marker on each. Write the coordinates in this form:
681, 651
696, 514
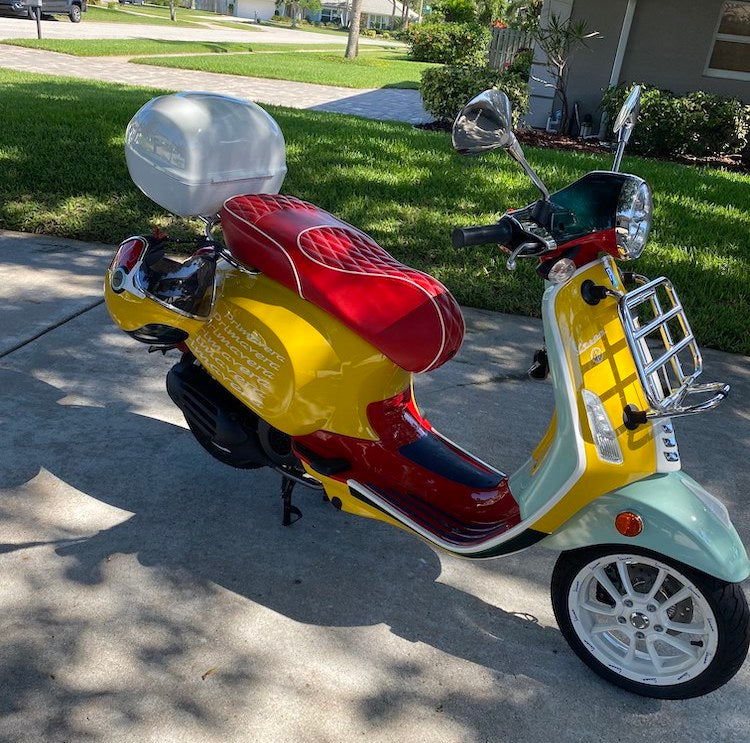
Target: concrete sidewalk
387, 104
151, 594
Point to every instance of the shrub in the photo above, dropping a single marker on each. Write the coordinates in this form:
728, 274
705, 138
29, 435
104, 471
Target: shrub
367, 32
445, 90
449, 43
521, 63
455, 11
698, 123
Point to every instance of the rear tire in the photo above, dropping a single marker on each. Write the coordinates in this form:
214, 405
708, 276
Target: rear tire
650, 624
75, 14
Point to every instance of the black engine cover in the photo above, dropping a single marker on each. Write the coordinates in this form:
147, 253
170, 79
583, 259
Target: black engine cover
223, 426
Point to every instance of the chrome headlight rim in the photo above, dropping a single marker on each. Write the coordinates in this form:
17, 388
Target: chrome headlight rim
633, 217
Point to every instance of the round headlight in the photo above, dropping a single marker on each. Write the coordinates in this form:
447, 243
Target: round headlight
633, 219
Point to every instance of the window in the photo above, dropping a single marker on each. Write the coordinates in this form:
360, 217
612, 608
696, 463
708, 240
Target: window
730, 54
379, 21
330, 15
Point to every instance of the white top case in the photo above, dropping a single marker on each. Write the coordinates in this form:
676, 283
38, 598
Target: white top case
189, 152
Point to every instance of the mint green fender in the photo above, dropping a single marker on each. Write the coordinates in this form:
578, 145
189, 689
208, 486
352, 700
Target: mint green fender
680, 520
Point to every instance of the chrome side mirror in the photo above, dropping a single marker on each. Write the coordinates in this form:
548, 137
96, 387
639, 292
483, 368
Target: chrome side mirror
484, 124
625, 123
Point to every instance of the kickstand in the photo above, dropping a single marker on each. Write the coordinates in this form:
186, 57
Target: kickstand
287, 486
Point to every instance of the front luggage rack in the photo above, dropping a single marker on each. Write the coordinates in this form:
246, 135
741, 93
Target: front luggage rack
665, 351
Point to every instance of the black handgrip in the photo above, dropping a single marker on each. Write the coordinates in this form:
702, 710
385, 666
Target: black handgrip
500, 234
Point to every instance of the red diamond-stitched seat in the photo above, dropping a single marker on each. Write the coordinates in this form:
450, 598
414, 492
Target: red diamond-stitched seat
406, 314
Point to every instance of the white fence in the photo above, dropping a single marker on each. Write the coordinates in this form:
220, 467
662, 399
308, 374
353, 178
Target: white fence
506, 42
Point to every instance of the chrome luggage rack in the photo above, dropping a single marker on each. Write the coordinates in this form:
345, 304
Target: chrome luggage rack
666, 354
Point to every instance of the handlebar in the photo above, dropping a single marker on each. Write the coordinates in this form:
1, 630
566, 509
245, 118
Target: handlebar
500, 233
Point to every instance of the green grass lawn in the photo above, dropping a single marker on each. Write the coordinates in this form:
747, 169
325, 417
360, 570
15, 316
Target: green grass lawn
114, 15
383, 70
64, 173
135, 47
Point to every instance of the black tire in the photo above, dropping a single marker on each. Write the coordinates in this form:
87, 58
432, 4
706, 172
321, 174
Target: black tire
726, 600
75, 14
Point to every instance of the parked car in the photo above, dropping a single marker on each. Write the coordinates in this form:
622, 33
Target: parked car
70, 8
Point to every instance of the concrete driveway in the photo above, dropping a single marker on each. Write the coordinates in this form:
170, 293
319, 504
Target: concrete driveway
151, 594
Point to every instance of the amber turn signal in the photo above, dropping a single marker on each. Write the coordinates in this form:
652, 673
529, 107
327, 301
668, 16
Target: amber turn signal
629, 524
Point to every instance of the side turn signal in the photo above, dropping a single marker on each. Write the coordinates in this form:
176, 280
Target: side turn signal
629, 524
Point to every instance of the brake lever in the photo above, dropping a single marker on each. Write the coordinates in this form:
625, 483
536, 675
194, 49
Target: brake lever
521, 230
510, 264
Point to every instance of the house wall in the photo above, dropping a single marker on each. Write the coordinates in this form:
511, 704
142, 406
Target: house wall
668, 46
590, 67
248, 8
673, 55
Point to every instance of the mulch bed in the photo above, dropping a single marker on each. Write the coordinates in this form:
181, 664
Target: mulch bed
539, 138
546, 140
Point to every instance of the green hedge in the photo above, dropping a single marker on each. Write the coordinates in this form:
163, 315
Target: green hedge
448, 43
698, 123
445, 90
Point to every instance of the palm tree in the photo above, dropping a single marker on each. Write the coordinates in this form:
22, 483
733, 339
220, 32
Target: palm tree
352, 45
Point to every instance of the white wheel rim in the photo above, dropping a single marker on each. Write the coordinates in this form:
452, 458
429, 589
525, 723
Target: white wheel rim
642, 619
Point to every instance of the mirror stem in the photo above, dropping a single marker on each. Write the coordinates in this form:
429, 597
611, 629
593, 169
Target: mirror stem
516, 153
618, 156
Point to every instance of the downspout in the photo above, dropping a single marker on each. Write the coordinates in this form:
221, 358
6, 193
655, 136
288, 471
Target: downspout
622, 46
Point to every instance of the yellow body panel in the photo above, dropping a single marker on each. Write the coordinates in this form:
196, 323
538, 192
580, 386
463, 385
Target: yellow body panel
292, 363
600, 361
295, 365
131, 312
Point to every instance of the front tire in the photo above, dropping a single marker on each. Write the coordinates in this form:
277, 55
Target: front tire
75, 14
650, 624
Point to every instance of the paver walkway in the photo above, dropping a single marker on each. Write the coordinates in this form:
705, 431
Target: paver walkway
387, 104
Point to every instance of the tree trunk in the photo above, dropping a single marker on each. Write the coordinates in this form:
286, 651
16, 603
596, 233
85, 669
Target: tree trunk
172, 11
352, 45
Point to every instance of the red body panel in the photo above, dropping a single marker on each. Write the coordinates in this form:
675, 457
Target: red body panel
421, 474
589, 248
406, 314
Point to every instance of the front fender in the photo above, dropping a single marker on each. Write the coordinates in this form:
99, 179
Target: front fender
680, 520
